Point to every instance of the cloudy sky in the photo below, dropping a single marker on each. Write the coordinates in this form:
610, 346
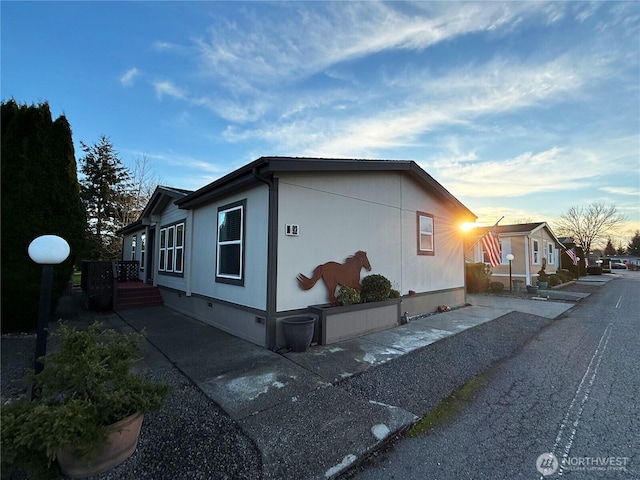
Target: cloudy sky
521, 109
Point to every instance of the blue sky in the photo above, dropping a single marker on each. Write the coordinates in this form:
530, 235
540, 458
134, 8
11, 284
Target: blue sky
519, 109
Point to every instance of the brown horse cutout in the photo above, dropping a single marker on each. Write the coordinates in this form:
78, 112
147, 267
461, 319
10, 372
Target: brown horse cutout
334, 274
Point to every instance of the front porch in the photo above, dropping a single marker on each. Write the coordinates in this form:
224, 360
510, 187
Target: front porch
115, 286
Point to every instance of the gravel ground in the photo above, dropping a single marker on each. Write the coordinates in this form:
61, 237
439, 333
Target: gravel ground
191, 437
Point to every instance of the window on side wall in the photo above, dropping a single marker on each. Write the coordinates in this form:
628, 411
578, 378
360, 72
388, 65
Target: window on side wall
134, 240
425, 227
230, 243
171, 256
551, 259
535, 250
143, 241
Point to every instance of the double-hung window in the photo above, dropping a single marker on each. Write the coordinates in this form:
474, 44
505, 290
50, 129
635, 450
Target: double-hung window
536, 252
230, 243
171, 249
143, 240
551, 260
134, 240
425, 227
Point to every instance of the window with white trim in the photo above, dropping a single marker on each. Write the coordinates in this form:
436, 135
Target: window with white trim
134, 240
425, 228
551, 259
535, 251
143, 241
171, 256
230, 243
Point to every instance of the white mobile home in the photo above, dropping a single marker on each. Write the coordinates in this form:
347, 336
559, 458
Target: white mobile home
229, 253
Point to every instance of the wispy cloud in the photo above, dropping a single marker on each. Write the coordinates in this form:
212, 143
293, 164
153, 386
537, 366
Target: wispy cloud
165, 87
317, 37
622, 191
129, 76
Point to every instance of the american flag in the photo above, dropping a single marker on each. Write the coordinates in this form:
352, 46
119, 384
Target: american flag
572, 255
491, 246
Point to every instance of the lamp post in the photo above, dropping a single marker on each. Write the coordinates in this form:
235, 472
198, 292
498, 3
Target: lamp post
510, 257
46, 250
577, 268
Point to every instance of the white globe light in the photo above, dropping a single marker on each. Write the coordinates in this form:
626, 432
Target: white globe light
510, 256
49, 250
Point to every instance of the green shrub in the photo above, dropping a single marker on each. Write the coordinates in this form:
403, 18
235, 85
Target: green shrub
375, 288
394, 293
40, 195
542, 275
554, 280
565, 275
477, 277
84, 387
495, 287
348, 295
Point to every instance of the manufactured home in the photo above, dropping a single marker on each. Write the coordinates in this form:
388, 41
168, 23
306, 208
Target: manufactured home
231, 252
533, 245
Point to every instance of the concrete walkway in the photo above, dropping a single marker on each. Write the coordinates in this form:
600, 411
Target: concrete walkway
296, 406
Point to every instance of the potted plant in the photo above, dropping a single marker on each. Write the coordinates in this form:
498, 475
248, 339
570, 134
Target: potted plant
543, 278
348, 296
375, 288
86, 404
532, 289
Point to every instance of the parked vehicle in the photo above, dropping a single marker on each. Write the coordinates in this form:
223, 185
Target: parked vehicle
619, 266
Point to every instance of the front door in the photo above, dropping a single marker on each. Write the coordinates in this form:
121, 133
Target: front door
150, 252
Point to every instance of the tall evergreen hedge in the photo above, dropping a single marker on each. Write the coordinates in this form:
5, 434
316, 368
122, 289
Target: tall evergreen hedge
40, 195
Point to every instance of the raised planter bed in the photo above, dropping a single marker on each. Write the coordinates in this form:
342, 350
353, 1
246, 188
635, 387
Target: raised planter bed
351, 321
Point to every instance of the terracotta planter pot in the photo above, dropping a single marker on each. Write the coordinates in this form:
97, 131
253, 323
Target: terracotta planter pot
121, 443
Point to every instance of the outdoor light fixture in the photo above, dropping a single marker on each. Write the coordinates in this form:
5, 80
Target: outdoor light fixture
510, 257
46, 250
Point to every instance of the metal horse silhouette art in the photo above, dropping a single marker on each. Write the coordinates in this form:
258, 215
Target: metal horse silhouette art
334, 274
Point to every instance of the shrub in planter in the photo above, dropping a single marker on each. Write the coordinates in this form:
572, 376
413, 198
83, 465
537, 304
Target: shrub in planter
554, 280
84, 387
375, 288
394, 293
542, 275
495, 287
348, 296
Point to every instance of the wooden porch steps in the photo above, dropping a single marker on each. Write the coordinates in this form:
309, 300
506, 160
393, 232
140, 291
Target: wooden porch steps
136, 295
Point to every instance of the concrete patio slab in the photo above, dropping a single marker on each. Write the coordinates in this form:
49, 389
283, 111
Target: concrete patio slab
325, 431
344, 359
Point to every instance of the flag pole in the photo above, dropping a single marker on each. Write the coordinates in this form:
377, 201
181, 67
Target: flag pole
480, 238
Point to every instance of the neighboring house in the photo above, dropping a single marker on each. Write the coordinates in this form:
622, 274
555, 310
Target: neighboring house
532, 245
229, 253
567, 263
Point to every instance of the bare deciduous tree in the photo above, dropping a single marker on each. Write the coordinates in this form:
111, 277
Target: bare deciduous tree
138, 191
589, 225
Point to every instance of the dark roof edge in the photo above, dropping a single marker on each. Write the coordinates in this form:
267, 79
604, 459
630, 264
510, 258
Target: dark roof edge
132, 227
249, 173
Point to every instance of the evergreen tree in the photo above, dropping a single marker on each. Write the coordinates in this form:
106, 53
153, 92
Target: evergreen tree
105, 189
634, 245
40, 195
609, 249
